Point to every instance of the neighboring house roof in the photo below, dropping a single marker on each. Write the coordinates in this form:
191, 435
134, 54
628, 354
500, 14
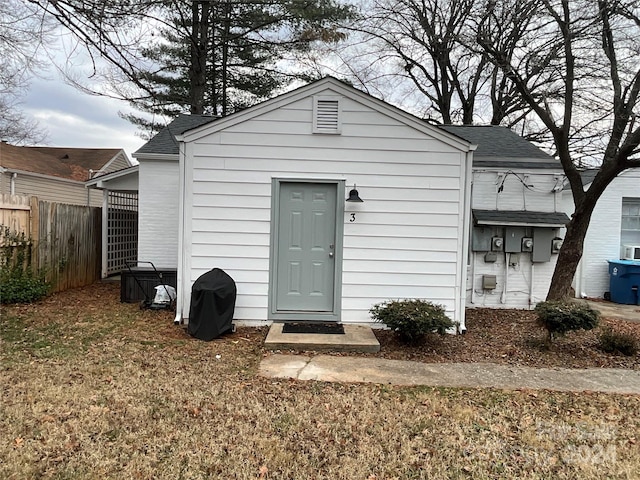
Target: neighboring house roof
500, 147
589, 174
104, 181
63, 162
520, 218
164, 142
587, 177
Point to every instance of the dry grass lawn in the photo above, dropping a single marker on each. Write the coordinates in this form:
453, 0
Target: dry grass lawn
92, 388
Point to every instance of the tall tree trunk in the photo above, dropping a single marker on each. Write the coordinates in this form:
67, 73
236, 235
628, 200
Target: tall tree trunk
468, 108
571, 251
198, 64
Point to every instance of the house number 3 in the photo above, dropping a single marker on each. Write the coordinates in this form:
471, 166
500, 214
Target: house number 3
353, 217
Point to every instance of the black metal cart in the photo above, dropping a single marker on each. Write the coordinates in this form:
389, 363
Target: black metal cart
168, 301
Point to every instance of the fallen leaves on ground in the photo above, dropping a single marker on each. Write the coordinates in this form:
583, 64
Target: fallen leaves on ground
92, 388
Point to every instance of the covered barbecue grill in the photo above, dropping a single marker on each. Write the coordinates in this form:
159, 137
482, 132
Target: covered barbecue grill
213, 300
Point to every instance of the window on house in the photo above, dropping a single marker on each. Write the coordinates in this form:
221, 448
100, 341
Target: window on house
630, 225
327, 115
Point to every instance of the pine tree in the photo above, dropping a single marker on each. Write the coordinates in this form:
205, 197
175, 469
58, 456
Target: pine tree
220, 57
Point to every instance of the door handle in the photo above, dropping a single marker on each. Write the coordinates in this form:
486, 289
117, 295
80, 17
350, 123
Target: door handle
330, 254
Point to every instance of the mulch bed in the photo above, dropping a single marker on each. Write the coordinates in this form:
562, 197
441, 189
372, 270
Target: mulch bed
493, 335
513, 337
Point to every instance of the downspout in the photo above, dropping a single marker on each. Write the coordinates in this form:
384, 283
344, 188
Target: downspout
531, 286
105, 233
88, 192
507, 259
473, 278
466, 229
179, 275
580, 280
473, 254
12, 187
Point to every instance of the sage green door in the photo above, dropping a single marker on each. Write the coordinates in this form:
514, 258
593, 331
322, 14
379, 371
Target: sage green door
306, 257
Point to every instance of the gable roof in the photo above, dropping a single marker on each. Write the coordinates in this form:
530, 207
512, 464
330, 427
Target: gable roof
337, 87
587, 177
589, 174
116, 174
165, 143
64, 162
501, 147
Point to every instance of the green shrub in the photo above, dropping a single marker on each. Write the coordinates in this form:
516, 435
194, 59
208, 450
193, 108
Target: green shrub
562, 317
412, 319
22, 286
619, 343
19, 283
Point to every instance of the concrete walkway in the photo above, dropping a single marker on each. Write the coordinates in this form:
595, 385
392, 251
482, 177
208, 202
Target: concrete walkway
483, 375
630, 313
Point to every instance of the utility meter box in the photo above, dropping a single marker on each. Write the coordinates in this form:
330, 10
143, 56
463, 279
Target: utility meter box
488, 282
542, 244
497, 244
513, 239
481, 239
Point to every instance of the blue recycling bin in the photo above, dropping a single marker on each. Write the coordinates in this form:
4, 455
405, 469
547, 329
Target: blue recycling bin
625, 281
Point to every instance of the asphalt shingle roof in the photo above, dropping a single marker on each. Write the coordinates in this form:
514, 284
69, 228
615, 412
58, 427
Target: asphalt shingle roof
501, 147
587, 177
519, 217
164, 142
63, 162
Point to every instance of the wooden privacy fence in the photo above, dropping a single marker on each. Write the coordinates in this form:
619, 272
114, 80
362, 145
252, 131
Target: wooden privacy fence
65, 240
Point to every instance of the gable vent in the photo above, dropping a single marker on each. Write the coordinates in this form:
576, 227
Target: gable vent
326, 115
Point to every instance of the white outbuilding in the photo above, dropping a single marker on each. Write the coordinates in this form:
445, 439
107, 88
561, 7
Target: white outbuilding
267, 194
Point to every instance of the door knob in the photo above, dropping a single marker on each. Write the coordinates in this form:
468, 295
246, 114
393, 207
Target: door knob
330, 254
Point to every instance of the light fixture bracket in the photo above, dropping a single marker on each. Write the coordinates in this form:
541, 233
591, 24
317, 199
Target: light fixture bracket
353, 195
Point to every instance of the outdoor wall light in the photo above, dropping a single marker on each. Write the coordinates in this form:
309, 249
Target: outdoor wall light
353, 195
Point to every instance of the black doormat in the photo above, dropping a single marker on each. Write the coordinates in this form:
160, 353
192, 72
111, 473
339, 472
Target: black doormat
321, 328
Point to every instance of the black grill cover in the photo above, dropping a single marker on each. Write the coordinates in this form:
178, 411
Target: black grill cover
213, 299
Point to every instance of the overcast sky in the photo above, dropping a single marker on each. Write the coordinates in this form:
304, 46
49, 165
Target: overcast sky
75, 119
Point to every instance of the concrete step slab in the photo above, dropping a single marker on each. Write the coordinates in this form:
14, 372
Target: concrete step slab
356, 338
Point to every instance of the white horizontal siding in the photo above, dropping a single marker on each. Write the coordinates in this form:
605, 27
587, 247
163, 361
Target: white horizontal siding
4, 183
355, 143
538, 197
359, 306
329, 152
118, 163
234, 225
516, 292
394, 241
158, 197
249, 178
394, 267
602, 241
349, 131
403, 165
394, 254
404, 242
51, 189
124, 183
228, 238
